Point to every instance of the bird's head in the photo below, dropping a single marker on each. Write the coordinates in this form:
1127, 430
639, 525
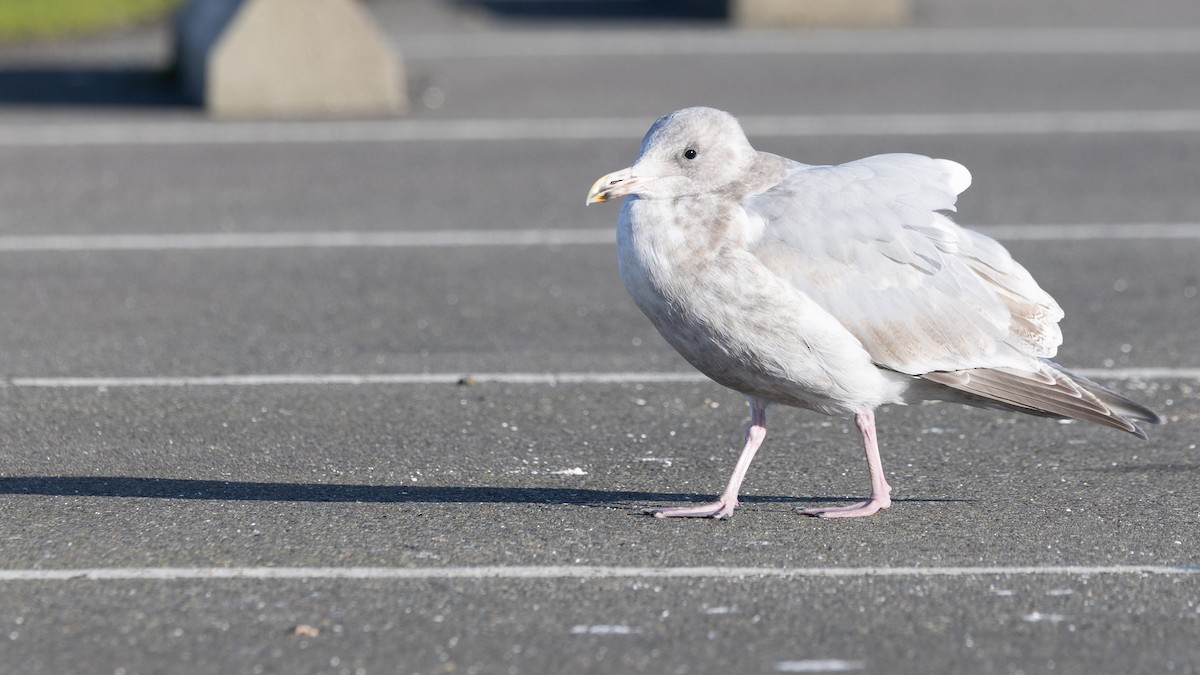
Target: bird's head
691, 151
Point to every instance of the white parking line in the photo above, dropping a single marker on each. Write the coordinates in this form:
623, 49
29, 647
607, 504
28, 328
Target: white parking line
465, 238
550, 379
632, 44
275, 240
570, 572
819, 666
344, 379
207, 132
1091, 231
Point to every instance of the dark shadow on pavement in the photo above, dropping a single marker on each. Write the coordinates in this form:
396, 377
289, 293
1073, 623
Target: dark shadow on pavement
1146, 468
179, 488
593, 10
87, 86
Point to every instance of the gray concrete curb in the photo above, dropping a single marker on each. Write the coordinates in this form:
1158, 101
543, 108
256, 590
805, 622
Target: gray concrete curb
816, 13
287, 58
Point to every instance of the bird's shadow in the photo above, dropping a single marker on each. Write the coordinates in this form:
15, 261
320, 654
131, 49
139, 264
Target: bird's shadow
1161, 467
220, 490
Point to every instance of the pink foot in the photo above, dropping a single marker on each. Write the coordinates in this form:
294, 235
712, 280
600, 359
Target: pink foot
853, 511
727, 501
719, 510
880, 490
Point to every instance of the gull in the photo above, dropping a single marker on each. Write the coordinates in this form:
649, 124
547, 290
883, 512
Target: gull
835, 289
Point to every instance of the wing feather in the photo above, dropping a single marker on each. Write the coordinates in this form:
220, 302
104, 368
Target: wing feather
1053, 391
866, 241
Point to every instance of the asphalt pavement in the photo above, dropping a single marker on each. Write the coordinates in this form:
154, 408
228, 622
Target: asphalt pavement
368, 397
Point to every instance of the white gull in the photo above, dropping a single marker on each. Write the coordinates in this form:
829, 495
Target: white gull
835, 289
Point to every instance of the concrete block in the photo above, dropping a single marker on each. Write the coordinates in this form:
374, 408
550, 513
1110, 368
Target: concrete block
287, 58
820, 13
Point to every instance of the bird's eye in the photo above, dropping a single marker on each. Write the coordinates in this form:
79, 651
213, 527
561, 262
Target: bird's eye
690, 153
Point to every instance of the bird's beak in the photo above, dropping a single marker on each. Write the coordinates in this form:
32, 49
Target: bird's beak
615, 184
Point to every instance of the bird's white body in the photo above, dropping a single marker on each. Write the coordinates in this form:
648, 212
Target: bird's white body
737, 321
834, 288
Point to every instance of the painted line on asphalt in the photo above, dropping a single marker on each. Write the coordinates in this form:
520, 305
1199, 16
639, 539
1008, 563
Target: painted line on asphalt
819, 666
520, 238
1091, 231
549, 379
208, 132
571, 572
636, 44
349, 379
278, 240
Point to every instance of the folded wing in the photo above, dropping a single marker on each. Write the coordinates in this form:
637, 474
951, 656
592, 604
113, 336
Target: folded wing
924, 296
865, 240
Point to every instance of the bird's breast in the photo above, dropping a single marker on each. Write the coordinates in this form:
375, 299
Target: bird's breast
734, 319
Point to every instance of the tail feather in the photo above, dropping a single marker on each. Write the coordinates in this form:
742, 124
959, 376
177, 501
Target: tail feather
1118, 403
1049, 391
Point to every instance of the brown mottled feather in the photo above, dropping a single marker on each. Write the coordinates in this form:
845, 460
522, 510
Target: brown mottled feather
1051, 391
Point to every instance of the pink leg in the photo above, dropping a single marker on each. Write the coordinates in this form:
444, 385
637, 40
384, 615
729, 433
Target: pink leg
756, 431
880, 490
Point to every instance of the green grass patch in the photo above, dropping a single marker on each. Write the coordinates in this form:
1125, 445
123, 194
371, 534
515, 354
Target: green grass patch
50, 18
